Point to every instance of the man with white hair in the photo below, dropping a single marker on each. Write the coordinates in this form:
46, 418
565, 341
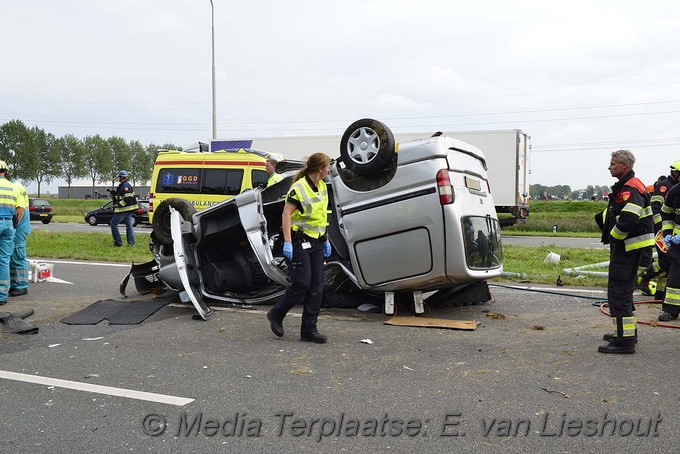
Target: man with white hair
628, 227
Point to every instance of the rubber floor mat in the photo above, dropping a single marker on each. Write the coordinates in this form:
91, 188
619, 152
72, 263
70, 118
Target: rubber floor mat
117, 312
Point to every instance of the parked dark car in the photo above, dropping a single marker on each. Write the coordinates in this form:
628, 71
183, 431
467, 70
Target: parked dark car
40, 210
103, 214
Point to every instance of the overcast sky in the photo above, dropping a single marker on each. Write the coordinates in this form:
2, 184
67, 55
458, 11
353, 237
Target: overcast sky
582, 78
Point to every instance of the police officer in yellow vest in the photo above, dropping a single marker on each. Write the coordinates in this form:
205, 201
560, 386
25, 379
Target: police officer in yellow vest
628, 227
11, 203
306, 243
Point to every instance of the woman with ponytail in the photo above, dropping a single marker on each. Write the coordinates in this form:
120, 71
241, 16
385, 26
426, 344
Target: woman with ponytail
306, 243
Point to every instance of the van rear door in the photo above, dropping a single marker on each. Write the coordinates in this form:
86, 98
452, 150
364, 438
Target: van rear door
472, 229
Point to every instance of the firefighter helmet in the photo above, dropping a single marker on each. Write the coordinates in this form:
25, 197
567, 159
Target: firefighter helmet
675, 166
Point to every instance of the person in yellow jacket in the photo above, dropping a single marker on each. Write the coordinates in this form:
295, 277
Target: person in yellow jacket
628, 227
270, 167
306, 243
11, 203
18, 262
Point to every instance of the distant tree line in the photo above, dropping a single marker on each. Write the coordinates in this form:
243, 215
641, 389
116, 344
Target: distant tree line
35, 155
564, 192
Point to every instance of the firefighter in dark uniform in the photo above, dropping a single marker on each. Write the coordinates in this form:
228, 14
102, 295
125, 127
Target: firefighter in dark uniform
670, 215
627, 226
658, 269
124, 204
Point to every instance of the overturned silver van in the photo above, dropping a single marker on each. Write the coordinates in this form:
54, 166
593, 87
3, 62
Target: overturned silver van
414, 219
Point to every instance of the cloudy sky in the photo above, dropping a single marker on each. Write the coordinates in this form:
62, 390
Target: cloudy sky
582, 78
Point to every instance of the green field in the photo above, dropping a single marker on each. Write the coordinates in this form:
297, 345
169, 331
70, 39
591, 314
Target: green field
571, 218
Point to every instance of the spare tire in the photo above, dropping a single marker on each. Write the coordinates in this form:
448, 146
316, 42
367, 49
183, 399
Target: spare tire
367, 147
161, 217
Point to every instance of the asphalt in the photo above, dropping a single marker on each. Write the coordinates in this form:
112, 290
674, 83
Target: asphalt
529, 378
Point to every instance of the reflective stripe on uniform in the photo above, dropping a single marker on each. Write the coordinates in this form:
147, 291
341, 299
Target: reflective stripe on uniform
672, 296
629, 325
632, 208
637, 242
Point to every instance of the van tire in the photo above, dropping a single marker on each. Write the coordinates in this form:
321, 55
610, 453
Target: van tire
367, 147
161, 217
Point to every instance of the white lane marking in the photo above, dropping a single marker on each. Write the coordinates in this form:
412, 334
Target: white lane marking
57, 281
108, 390
558, 289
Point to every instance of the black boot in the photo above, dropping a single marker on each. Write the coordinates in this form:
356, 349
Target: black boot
667, 317
620, 348
314, 336
275, 325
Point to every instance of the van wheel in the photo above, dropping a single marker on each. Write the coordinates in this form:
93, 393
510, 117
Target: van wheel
161, 218
367, 147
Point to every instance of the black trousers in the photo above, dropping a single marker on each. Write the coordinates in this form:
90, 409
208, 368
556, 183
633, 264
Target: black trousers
306, 275
622, 274
672, 302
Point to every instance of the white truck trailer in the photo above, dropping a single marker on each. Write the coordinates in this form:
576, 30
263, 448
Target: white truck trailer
507, 153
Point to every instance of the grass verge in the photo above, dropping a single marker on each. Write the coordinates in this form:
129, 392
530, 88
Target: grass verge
527, 263
85, 246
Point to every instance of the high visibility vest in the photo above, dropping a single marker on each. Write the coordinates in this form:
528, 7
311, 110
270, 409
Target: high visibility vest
274, 178
25, 223
9, 198
313, 218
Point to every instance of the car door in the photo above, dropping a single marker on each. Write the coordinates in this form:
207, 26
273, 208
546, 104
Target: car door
186, 266
105, 213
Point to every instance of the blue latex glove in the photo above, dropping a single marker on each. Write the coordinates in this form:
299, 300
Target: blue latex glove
676, 239
288, 250
667, 239
327, 249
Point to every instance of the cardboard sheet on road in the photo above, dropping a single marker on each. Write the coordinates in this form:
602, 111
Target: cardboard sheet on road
425, 322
